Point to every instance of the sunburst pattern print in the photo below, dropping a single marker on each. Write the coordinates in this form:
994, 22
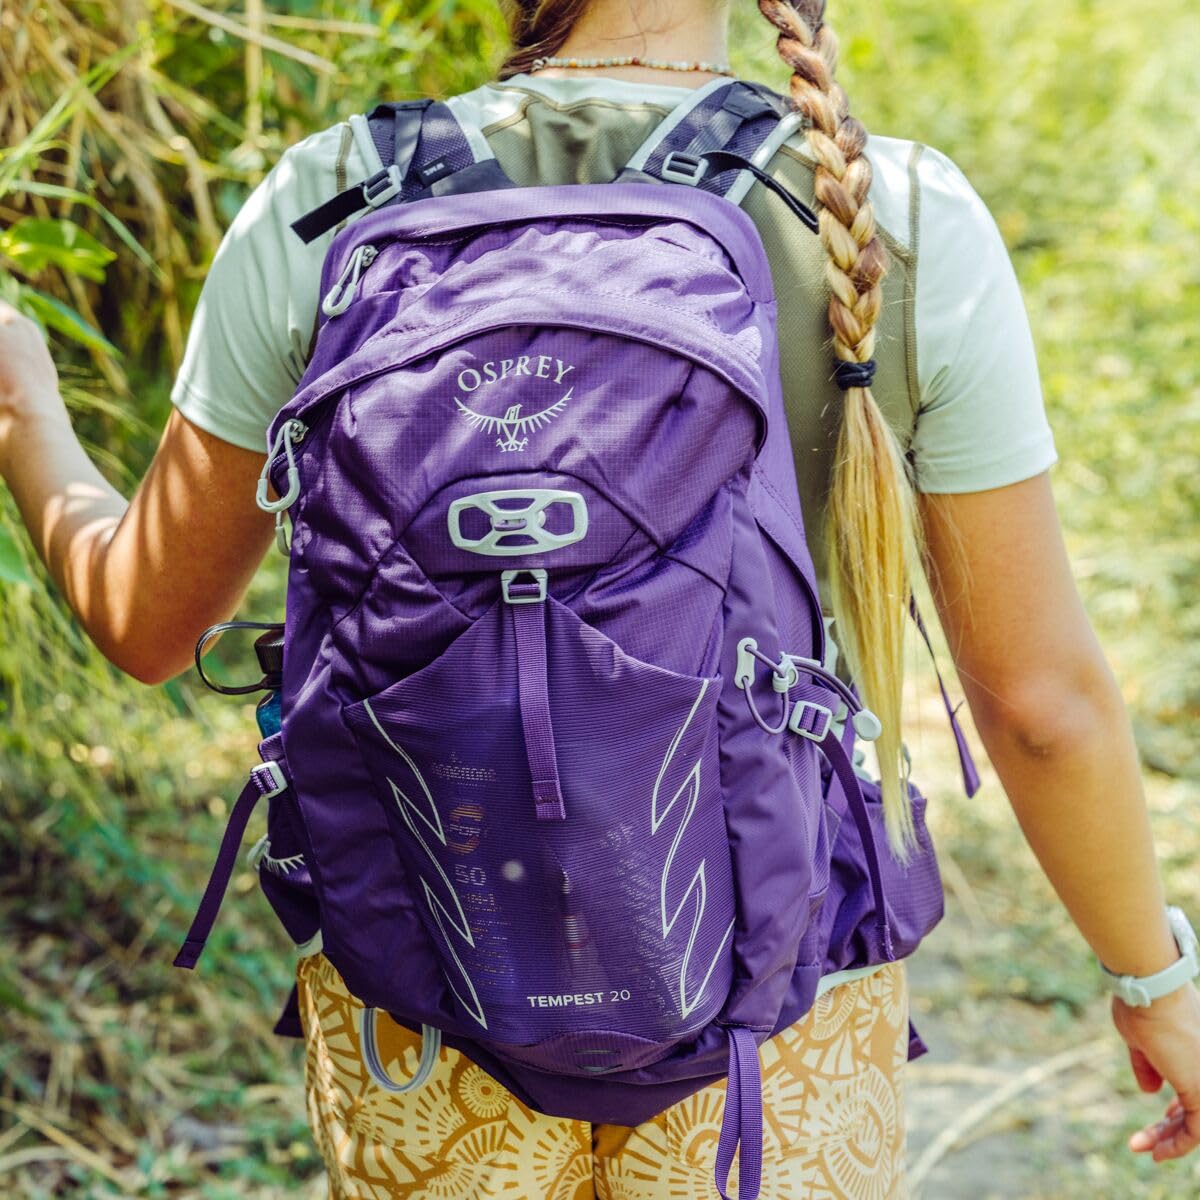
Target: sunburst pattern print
833, 1117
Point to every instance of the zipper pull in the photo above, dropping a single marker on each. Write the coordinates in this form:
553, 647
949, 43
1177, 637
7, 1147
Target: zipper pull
289, 435
341, 295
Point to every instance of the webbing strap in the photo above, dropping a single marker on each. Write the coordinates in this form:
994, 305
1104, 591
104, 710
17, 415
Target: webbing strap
843, 769
966, 762
529, 630
424, 151
742, 1124
723, 114
266, 780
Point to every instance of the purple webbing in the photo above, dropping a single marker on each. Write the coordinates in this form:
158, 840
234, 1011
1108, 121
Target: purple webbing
965, 761
529, 629
742, 1120
835, 752
263, 781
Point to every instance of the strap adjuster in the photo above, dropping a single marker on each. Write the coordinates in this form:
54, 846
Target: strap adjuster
382, 186
680, 167
275, 782
811, 720
519, 593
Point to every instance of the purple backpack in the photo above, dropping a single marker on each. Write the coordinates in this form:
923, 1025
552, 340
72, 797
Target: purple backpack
565, 779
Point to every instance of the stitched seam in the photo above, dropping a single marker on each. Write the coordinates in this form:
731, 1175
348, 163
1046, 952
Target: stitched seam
910, 289
586, 102
889, 239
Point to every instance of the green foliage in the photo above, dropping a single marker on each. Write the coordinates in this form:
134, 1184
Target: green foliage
1076, 124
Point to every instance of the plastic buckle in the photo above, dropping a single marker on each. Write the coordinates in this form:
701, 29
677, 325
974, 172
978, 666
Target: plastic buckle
279, 781
801, 710
680, 167
518, 531
382, 186
509, 586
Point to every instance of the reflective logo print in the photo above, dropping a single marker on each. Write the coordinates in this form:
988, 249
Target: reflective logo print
443, 903
513, 429
689, 793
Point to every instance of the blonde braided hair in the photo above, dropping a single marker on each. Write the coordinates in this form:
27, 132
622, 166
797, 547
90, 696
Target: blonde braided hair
872, 532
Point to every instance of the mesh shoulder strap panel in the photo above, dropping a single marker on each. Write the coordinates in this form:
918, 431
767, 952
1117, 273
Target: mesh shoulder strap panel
729, 115
720, 139
425, 152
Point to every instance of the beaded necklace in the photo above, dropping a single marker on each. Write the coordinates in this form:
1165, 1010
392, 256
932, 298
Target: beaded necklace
634, 60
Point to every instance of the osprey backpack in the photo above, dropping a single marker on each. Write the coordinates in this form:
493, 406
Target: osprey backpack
565, 779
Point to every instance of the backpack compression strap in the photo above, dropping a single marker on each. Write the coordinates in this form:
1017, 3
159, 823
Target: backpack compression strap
423, 151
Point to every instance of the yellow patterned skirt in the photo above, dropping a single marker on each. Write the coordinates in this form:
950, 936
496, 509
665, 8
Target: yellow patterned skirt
833, 1121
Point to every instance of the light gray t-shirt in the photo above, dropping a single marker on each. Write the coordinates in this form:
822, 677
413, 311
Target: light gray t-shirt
979, 416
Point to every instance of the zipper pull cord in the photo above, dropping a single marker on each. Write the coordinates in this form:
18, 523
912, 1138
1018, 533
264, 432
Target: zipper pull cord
785, 675
341, 295
289, 435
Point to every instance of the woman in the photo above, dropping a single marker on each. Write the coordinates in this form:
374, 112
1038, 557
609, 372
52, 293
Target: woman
957, 394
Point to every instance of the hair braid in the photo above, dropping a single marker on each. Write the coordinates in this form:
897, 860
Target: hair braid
538, 28
872, 533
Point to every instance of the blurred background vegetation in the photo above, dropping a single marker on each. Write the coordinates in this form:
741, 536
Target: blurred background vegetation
131, 133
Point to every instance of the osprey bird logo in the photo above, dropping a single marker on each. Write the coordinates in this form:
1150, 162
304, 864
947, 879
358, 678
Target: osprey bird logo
512, 425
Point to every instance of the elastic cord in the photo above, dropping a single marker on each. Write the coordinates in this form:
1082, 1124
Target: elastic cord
853, 374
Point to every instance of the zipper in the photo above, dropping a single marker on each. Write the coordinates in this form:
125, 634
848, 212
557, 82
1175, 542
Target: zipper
341, 295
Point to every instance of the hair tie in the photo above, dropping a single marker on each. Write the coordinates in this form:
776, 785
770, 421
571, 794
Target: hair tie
853, 374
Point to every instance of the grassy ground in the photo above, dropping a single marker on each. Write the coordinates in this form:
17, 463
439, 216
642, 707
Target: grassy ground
120, 1077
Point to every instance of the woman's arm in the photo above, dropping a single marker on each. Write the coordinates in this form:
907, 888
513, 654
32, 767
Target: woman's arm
144, 576
1054, 724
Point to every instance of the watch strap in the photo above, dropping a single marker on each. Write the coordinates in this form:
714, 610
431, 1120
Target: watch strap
1142, 991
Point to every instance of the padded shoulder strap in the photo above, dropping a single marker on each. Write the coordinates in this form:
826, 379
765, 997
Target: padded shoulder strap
425, 151
732, 116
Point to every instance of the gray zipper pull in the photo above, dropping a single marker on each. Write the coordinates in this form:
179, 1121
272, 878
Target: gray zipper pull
289, 435
341, 295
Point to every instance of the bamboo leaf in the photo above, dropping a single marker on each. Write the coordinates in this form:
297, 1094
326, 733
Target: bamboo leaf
54, 314
35, 243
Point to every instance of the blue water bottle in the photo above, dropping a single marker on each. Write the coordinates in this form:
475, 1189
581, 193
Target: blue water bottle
269, 648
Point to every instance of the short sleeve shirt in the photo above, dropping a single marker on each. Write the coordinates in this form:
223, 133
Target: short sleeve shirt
979, 420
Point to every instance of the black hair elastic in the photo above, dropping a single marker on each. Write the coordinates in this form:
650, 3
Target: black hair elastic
853, 374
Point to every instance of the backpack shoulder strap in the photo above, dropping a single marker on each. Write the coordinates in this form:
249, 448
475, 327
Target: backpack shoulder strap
426, 149
719, 139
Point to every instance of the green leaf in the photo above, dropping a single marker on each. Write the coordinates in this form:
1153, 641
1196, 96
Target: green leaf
55, 191
56, 315
12, 562
11, 998
35, 243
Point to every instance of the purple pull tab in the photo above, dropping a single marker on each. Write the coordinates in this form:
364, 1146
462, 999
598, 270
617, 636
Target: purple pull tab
741, 1124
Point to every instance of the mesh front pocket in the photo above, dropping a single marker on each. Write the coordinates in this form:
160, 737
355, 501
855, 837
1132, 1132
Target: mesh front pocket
587, 944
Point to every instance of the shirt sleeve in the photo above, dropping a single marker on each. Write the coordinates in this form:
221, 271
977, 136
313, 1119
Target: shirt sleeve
249, 338
982, 421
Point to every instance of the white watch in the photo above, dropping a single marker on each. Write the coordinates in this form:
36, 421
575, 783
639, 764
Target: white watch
1141, 992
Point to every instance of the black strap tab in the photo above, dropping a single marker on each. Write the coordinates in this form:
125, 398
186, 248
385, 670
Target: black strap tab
723, 160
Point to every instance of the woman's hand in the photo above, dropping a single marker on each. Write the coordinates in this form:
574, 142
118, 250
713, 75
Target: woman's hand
1164, 1046
28, 380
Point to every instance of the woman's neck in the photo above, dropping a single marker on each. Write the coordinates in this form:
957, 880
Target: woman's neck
674, 30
